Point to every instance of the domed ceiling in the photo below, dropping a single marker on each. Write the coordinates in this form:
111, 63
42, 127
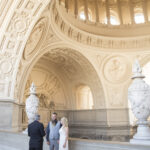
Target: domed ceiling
111, 12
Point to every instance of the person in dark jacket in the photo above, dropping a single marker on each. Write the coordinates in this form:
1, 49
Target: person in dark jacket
36, 133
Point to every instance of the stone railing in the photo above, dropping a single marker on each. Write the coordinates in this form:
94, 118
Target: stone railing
91, 124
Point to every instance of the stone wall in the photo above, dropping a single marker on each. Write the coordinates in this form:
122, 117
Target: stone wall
91, 124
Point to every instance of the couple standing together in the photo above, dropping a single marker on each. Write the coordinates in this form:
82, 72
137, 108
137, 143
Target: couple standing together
56, 134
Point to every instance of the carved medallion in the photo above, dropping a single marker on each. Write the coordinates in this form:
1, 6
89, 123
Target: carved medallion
36, 38
116, 69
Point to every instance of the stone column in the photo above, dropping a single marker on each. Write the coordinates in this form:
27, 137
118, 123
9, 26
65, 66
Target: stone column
86, 10
131, 11
107, 12
144, 6
139, 96
119, 11
66, 5
76, 8
97, 11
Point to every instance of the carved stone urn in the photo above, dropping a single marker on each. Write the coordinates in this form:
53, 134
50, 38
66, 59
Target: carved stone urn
32, 103
139, 96
31, 107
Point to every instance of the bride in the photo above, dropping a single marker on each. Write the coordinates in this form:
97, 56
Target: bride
64, 133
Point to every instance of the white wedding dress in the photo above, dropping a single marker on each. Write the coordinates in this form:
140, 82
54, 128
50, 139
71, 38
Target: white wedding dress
62, 139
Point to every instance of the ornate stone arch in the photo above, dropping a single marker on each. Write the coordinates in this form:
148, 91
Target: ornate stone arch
59, 48
16, 26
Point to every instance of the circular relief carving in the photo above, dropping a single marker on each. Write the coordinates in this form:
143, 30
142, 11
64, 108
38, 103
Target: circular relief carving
116, 69
20, 25
5, 67
36, 38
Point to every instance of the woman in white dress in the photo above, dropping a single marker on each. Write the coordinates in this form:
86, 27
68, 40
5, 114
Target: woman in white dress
64, 133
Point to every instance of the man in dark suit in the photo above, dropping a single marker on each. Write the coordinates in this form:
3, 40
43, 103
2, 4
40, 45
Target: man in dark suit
36, 133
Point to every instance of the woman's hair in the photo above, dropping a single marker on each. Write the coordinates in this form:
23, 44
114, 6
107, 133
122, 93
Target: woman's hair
65, 121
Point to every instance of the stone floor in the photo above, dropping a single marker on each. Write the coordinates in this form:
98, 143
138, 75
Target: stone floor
19, 141
4, 147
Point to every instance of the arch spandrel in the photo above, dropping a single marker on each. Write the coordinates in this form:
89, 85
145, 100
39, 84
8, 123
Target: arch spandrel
20, 19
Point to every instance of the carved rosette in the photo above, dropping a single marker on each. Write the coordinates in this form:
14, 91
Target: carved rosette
19, 24
139, 96
32, 103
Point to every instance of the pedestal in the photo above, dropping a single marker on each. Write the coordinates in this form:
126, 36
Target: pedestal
142, 137
140, 142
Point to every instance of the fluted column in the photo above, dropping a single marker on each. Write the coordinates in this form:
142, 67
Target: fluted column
119, 11
107, 12
144, 6
131, 11
97, 11
86, 10
76, 8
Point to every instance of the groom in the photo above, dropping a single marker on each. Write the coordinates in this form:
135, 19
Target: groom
52, 132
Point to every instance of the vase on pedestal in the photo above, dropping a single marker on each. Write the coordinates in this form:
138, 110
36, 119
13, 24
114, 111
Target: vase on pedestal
139, 96
32, 104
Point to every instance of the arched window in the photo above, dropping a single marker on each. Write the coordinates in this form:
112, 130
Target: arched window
139, 18
113, 20
83, 16
84, 98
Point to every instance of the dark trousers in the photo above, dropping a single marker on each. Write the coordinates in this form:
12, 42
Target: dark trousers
35, 148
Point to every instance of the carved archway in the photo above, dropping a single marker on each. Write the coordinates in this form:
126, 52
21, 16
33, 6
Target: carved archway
73, 62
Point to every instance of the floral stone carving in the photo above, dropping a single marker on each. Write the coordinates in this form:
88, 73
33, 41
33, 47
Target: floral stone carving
139, 96
32, 103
